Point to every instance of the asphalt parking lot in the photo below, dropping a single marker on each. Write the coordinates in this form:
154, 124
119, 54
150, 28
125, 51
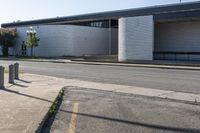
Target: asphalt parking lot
94, 111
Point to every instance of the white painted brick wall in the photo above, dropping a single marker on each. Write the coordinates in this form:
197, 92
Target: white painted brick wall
136, 36
64, 40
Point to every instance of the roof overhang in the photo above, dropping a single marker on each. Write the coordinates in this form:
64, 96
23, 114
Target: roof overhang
159, 12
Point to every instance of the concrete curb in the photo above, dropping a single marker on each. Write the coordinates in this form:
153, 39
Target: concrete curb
148, 92
35, 60
140, 65
159, 66
40, 126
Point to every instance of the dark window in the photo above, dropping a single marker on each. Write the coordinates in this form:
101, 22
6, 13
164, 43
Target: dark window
99, 23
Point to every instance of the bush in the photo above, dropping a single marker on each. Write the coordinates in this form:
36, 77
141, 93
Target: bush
8, 38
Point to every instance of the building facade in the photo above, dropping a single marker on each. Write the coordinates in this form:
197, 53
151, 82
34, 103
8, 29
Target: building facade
169, 32
66, 40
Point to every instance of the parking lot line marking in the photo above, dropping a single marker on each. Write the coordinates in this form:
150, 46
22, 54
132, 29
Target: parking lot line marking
72, 125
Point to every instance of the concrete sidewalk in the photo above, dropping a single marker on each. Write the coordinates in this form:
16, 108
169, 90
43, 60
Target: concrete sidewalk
25, 104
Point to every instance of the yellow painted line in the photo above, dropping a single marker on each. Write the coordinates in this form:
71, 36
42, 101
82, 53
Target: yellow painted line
72, 125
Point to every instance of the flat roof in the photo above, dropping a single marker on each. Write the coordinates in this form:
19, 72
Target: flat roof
152, 10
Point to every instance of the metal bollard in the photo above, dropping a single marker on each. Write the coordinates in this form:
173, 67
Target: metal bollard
11, 74
1, 77
16, 67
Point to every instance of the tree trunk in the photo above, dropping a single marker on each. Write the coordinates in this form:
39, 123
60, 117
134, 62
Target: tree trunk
5, 50
31, 51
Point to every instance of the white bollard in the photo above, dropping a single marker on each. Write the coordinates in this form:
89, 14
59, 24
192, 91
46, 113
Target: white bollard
11, 74
16, 67
1, 77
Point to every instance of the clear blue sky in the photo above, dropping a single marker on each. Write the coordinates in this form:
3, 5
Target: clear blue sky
13, 10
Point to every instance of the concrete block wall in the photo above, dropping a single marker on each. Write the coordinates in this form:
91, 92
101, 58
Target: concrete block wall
136, 38
67, 40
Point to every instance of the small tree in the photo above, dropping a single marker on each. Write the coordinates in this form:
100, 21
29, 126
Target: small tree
8, 38
32, 39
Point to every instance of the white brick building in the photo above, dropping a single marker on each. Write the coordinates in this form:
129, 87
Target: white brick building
169, 32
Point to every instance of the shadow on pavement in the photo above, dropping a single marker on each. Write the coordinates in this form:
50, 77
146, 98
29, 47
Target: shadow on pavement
24, 81
159, 127
25, 95
17, 84
46, 128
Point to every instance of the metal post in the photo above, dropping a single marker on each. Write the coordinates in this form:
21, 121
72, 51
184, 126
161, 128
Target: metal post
110, 37
16, 66
1, 77
11, 74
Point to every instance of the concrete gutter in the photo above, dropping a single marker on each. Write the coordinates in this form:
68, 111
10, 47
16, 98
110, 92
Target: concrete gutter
161, 65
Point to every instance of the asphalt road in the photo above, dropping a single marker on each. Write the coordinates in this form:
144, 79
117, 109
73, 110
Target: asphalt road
164, 79
93, 111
